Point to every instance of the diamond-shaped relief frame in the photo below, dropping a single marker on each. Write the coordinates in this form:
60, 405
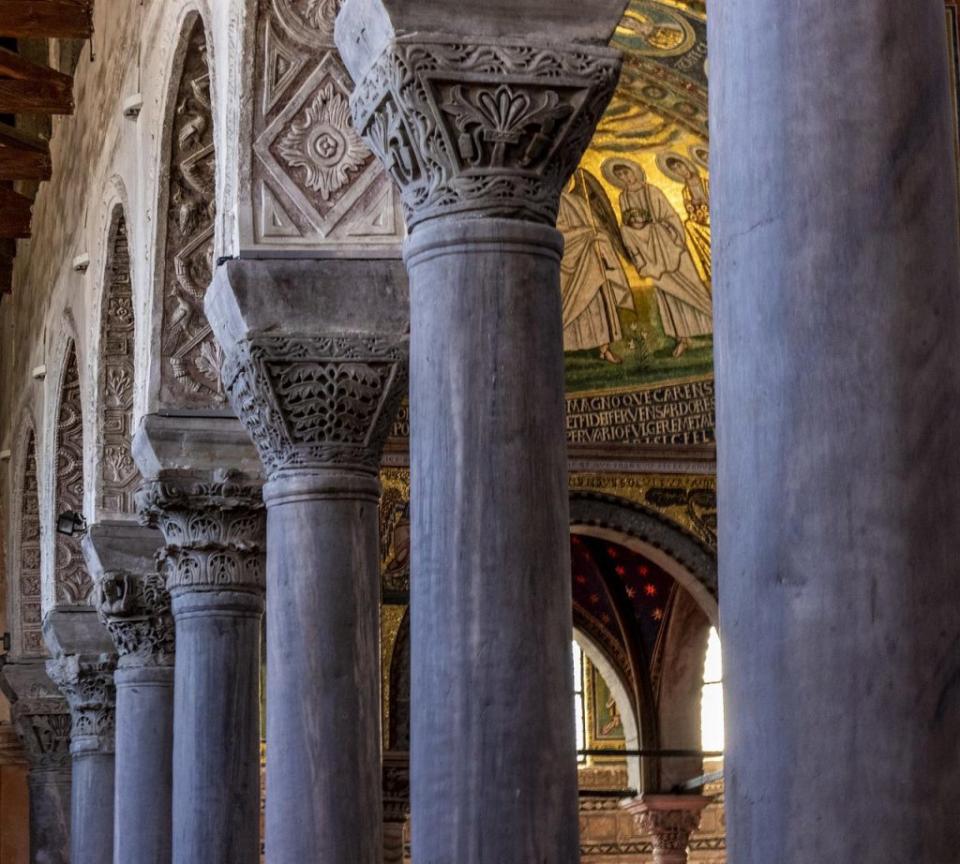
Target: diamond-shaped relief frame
331, 69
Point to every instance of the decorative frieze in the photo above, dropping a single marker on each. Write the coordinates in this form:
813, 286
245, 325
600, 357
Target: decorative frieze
135, 609
214, 528
28, 552
318, 401
87, 684
490, 130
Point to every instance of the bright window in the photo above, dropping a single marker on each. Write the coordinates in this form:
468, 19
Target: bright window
711, 703
579, 702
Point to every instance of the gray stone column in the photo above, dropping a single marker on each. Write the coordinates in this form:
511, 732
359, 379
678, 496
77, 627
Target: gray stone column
42, 719
838, 307
135, 608
481, 127
87, 683
212, 521
315, 367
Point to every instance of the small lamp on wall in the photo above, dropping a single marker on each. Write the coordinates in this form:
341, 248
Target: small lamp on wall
70, 524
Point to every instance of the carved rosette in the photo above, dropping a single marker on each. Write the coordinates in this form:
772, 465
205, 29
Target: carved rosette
43, 726
214, 528
135, 609
489, 130
318, 401
88, 687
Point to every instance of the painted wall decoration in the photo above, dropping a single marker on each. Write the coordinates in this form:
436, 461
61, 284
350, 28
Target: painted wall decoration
636, 276
190, 376
603, 713
120, 475
73, 583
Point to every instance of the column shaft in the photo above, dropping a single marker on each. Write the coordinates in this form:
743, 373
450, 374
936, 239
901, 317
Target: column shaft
838, 306
50, 815
492, 756
91, 833
216, 765
323, 706
144, 765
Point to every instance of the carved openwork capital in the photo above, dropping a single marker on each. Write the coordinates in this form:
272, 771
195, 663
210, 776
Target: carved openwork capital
668, 820
214, 528
88, 687
489, 130
43, 725
318, 401
135, 609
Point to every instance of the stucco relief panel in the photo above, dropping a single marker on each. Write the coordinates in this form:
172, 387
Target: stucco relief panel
28, 553
314, 180
120, 475
191, 358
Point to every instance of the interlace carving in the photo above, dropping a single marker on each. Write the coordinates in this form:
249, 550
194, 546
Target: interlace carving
88, 687
73, 582
318, 400
31, 634
483, 130
214, 529
135, 609
120, 475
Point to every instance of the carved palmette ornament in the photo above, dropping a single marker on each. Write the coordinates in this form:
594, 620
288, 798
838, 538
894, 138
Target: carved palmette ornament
120, 475
73, 582
43, 727
135, 609
483, 130
191, 357
214, 530
89, 689
318, 400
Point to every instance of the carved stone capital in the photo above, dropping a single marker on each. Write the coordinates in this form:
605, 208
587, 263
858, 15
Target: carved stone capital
135, 609
482, 130
214, 528
318, 401
396, 786
668, 820
87, 684
39, 712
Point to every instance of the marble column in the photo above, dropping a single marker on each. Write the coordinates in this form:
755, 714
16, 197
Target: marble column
837, 272
481, 125
668, 820
315, 367
42, 719
87, 684
134, 605
213, 526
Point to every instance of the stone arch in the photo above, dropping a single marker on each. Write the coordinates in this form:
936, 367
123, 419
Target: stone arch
185, 367
693, 565
71, 579
119, 477
25, 599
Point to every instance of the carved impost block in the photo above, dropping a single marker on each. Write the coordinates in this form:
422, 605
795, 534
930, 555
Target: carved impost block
214, 528
135, 609
87, 684
483, 130
318, 401
668, 820
40, 715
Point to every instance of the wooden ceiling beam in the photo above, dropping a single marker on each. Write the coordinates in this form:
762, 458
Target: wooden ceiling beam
22, 156
51, 19
35, 97
14, 214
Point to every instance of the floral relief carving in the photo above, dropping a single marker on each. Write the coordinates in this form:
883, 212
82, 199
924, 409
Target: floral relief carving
318, 400
29, 553
73, 583
135, 609
214, 528
120, 475
483, 130
191, 358
43, 725
308, 20
88, 687
323, 143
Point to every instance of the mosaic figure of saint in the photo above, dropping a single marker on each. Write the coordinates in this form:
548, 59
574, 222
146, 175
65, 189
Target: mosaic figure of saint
655, 239
593, 283
696, 201
660, 36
